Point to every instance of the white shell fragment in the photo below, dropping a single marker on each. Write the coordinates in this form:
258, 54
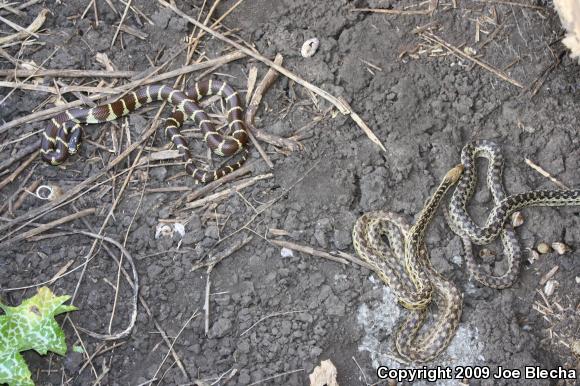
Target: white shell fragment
550, 287
48, 192
561, 248
164, 230
310, 47
285, 252
517, 219
167, 230
179, 228
533, 255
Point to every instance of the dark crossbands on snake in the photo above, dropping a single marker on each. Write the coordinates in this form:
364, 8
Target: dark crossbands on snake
62, 137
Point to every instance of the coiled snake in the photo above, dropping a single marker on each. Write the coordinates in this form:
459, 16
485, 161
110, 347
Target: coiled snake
405, 267
62, 136
497, 221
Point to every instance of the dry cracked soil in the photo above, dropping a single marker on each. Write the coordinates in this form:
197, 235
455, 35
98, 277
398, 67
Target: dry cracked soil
274, 314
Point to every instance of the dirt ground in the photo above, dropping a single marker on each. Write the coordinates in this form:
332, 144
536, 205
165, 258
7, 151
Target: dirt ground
274, 316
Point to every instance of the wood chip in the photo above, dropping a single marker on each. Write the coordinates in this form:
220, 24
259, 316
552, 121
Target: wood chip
549, 275
324, 375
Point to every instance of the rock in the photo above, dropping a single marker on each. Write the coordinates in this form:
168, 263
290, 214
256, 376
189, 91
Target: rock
220, 328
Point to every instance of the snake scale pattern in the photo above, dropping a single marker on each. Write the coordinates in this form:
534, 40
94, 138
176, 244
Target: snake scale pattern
62, 137
407, 259
405, 267
497, 221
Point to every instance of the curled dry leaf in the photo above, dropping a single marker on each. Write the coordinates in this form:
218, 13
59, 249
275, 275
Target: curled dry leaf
310, 47
323, 375
561, 248
104, 60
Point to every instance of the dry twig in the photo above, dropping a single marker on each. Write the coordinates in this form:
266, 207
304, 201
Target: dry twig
66, 73
229, 191
523, 5
45, 227
459, 53
403, 12
40, 115
270, 316
247, 168
540, 170
18, 170
121, 22
145, 306
262, 135
308, 250
214, 259
195, 314
275, 376
30, 30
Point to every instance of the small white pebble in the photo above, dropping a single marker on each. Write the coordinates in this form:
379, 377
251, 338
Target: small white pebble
310, 47
457, 260
285, 252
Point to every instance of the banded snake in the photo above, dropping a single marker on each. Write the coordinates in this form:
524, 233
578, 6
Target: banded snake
407, 269
62, 137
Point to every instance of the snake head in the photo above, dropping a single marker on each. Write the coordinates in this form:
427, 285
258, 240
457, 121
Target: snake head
453, 175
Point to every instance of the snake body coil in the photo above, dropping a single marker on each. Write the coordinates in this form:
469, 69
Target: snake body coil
405, 267
62, 136
497, 221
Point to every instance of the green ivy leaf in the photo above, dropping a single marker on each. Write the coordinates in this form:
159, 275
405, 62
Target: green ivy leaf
30, 326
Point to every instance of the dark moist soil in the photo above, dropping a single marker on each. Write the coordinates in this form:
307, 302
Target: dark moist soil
424, 107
